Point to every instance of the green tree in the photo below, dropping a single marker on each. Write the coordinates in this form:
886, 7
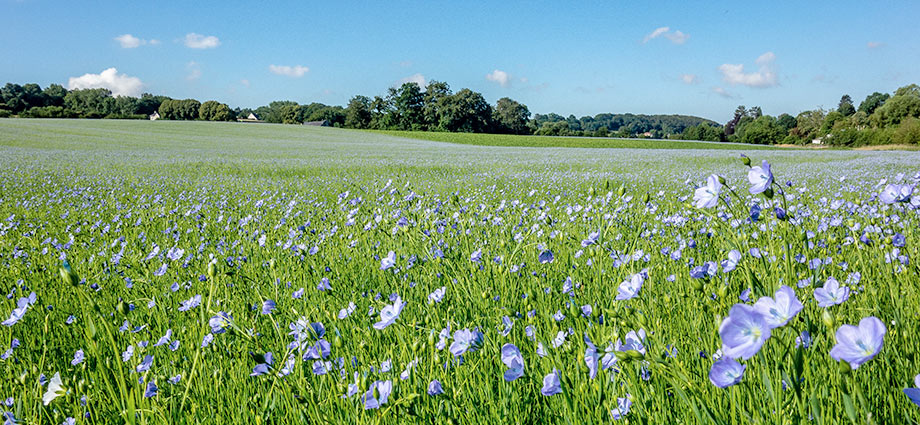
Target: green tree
292, 114
215, 111
358, 112
808, 123
787, 122
511, 117
408, 103
845, 106
272, 112
873, 102
762, 131
909, 90
125, 107
172, 109
148, 103
730, 126
434, 92
896, 109
12, 96
90, 103
830, 120
33, 96
908, 132
54, 95
465, 111
382, 116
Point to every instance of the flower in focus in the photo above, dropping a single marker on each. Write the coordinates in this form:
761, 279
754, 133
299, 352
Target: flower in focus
760, 178
708, 196
55, 389
628, 289
859, 344
831, 293
778, 310
389, 314
743, 332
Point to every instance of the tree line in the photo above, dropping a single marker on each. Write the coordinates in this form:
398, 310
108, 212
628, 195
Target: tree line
881, 118
31, 101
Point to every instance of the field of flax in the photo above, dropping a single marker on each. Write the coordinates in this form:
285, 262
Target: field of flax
164, 272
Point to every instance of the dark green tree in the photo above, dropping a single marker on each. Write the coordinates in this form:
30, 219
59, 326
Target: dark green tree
358, 112
54, 95
872, 102
845, 106
465, 111
511, 117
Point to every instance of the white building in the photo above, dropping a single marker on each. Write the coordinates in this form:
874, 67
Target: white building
154, 116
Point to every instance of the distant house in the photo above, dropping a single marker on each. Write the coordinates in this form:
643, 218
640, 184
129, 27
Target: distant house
323, 123
250, 118
818, 141
154, 116
647, 134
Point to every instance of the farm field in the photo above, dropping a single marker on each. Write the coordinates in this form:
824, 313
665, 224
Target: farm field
195, 272
566, 142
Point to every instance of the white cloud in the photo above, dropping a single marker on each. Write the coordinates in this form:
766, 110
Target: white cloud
764, 77
655, 34
500, 77
414, 78
244, 82
289, 71
119, 84
690, 78
154, 42
722, 92
129, 41
874, 44
194, 71
198, 41
676, 36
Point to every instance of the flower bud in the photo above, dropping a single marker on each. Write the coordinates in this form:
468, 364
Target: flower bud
122, 307
212, 269
646, 198
68, 275
635, 354
844, 367
745, 160
828, 318
768, 193
696, 284
721, 179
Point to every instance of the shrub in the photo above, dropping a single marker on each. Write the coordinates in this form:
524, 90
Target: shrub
908, 132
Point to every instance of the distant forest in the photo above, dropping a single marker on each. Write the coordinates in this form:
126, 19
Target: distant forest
879, 119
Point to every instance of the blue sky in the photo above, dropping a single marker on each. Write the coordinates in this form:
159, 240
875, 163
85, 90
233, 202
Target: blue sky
579, 58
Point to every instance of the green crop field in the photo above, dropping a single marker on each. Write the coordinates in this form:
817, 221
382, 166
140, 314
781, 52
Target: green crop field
565, 142
195, 272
